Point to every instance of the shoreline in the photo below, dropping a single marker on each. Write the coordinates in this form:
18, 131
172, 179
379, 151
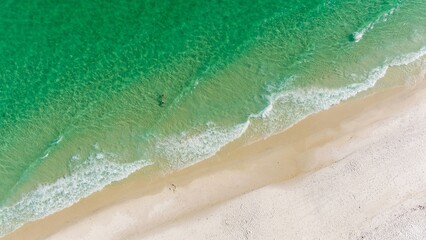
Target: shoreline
233, 172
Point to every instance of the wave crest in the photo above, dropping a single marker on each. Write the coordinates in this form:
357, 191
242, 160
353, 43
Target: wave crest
358, 35
98, 171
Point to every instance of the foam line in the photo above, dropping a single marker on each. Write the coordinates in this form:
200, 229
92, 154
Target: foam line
97, 172
358, 35
190, 147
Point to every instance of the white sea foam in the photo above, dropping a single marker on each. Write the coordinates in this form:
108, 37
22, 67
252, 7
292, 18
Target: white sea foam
193, 146
46, 154
94, 174
287, 106
358, 35
409, 58
58, 140
190, 147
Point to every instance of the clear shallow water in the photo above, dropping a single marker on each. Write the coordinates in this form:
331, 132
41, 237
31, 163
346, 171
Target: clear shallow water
81, 83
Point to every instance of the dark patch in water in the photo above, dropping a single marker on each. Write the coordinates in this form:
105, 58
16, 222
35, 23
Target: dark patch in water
351, 37
161, 100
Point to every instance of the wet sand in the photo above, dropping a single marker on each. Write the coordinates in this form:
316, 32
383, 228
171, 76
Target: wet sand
355, 171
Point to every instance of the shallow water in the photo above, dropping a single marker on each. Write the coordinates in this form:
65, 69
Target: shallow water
81, 83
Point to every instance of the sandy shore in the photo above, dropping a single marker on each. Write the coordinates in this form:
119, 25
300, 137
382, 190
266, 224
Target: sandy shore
355, 171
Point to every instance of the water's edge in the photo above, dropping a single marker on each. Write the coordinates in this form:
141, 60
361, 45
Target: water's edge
101, 170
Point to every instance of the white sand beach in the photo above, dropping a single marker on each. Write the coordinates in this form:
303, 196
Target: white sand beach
355, 171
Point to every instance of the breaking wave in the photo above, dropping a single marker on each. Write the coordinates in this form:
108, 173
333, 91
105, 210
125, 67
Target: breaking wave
98, 171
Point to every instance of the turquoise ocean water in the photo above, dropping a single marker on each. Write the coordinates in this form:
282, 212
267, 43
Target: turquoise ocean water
81, 82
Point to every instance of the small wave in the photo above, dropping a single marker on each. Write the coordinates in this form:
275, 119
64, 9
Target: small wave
409, 58
288, 105
193, 146
36, 162
190, 147
97, 172
358, 35
46, 154
51, 146
58, 140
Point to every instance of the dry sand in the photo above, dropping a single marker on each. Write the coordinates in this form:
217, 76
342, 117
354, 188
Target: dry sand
355, 171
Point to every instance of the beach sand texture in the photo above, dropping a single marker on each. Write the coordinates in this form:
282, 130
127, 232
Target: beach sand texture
355, 171
134, 96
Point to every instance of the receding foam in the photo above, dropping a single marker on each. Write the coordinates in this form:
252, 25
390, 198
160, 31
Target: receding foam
289, 105
192, 146
286, 106
98, 171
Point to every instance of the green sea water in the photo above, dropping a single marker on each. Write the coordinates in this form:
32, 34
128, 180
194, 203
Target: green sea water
81, 82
